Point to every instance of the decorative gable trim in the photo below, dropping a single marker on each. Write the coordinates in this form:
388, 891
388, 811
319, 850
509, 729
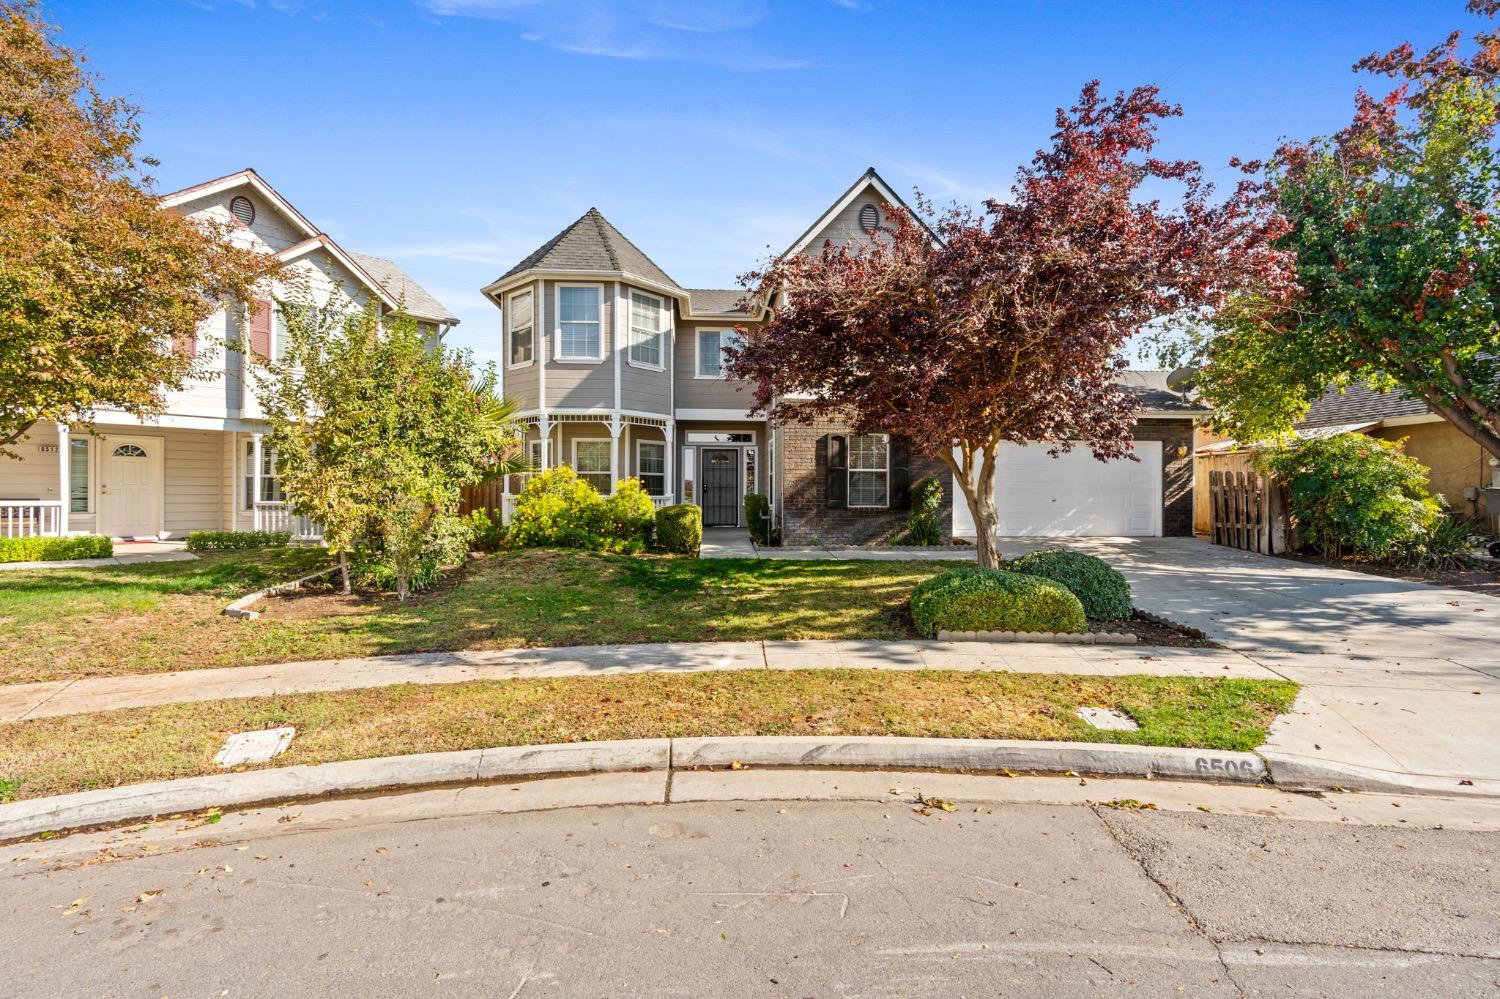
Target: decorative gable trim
867, 179
244, 178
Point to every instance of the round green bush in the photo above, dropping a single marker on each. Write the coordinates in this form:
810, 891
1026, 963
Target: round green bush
758, 517
974, 599
1097, 584
680, 528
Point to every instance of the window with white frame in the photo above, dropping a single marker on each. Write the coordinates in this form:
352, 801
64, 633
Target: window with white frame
869, 470
270, 482
78, 476
651, 466
522, 320
711, 347
647, 320
279, 333
579, 322
591, 462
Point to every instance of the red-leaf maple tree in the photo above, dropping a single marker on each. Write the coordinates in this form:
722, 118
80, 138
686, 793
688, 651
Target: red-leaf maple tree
972, 327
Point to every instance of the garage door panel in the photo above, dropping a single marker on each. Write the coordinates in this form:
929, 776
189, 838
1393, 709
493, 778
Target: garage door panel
1073, 494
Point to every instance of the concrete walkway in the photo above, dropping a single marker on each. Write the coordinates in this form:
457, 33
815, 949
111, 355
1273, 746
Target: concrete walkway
67, 697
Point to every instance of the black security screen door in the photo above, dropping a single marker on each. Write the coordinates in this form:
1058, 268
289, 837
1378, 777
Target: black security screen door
721, 487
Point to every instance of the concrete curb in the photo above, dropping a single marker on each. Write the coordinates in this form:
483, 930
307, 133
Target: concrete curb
241, 607
1057, 637
1295, 772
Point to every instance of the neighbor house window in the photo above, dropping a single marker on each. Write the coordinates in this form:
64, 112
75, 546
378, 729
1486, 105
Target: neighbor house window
579, 323
651, 467
591, 462
279, 334
522, 321
711, 347
270, 483
647, 318
869, 470
78, 476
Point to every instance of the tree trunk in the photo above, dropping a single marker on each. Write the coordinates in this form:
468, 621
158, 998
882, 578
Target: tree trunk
344, 572
403, 586
975, 475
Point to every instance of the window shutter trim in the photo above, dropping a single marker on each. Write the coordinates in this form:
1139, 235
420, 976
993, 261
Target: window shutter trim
900, 474
838, 471
260, 328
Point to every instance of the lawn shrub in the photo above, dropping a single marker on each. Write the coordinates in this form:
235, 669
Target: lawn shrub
1445, 544
1101, 589
446, 546
1354, 495
236, 541
488, 533
923, 527
969, 598
680, 528
54, 549
758, 516
557, 509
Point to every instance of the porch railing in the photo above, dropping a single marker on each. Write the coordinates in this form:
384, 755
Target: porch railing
273, 516
30, 518
508, 505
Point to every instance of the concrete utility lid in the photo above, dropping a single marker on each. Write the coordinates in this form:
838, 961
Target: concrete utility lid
254, 747
1108, 719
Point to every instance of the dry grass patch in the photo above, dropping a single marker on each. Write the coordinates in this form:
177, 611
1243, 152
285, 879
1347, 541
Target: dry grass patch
73, 753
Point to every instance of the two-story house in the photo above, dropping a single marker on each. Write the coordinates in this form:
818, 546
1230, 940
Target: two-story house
618, 372
202, 464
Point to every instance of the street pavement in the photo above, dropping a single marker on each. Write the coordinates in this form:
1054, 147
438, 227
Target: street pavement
882, 898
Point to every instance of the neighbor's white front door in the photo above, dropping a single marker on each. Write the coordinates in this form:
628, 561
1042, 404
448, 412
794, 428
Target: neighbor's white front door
130, 486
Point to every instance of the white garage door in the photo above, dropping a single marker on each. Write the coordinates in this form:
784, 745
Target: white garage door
1073, 494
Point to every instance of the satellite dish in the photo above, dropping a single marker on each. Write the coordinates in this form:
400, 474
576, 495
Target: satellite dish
1178, 379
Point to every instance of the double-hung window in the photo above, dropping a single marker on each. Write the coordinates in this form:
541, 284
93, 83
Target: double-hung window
647, 320
869, 470
522, 320
591, 462
651, 466
711, 347
270, 482
579, 323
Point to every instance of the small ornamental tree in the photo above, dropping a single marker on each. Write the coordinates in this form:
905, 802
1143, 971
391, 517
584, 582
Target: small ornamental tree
101, 291
1007, 323
1391, 223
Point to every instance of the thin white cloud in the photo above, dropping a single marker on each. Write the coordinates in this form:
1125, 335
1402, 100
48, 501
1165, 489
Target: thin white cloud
700, 31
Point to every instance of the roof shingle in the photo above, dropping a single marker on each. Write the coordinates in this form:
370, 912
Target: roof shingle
1361, 403
418, 301
592, 244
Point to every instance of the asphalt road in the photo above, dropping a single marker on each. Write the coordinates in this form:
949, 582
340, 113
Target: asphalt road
767, 899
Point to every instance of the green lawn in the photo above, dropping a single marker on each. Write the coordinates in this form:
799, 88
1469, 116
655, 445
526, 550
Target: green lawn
65, 623
80, 752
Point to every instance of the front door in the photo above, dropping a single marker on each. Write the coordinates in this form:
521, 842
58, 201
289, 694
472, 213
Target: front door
721, 487
130, 487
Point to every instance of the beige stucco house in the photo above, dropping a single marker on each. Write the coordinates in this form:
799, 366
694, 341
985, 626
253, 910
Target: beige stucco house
618, 371
202, 465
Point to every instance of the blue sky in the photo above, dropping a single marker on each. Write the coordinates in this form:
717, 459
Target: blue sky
456, 135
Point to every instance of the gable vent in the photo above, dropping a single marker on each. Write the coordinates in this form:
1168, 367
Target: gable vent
869, 219
241, 208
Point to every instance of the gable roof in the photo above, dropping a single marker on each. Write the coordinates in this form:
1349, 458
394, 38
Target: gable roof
592, 245
869, 177
418, 302
246, 177
1359, 403
1150, 387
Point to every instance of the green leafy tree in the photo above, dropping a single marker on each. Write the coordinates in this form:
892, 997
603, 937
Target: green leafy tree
376, 433
1389, 227
101, 290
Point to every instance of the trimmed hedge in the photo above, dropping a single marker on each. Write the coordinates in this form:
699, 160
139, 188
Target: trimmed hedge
969, 598
1104, 593
54, 549
236, 541
758, 516
679, 528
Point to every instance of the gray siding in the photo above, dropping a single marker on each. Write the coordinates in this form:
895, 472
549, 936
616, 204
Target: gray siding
844, 227
705, 393
645, 389
521, 383
575, 384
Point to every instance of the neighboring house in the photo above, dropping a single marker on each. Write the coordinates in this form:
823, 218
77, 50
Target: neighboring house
202, 465
617, 371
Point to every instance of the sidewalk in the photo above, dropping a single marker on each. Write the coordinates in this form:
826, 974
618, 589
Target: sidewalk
19, 702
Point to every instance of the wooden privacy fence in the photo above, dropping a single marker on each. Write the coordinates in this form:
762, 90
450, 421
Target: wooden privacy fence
1246, 510
483, 496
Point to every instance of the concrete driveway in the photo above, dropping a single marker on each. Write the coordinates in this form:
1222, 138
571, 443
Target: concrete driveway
1401, 680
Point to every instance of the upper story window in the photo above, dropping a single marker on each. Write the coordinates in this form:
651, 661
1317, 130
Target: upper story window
711, 347
647, 321
279, 334
522, 319
869, 470
580, 322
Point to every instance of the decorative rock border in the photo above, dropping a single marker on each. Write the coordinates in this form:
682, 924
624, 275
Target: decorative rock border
1167, 622
241, 607
1057, 637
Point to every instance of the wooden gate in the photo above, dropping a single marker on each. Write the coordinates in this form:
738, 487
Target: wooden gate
1247, 510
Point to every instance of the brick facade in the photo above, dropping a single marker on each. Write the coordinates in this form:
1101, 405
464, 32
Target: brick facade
807, 519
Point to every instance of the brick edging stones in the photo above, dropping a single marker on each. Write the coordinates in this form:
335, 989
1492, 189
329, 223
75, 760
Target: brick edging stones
23, 819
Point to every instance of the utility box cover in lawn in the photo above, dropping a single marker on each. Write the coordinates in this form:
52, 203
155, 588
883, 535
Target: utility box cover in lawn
254, 747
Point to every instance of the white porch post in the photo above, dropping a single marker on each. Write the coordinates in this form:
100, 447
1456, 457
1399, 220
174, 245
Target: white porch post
544, 431
670, 483
255, 484
614, 451
64, 479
